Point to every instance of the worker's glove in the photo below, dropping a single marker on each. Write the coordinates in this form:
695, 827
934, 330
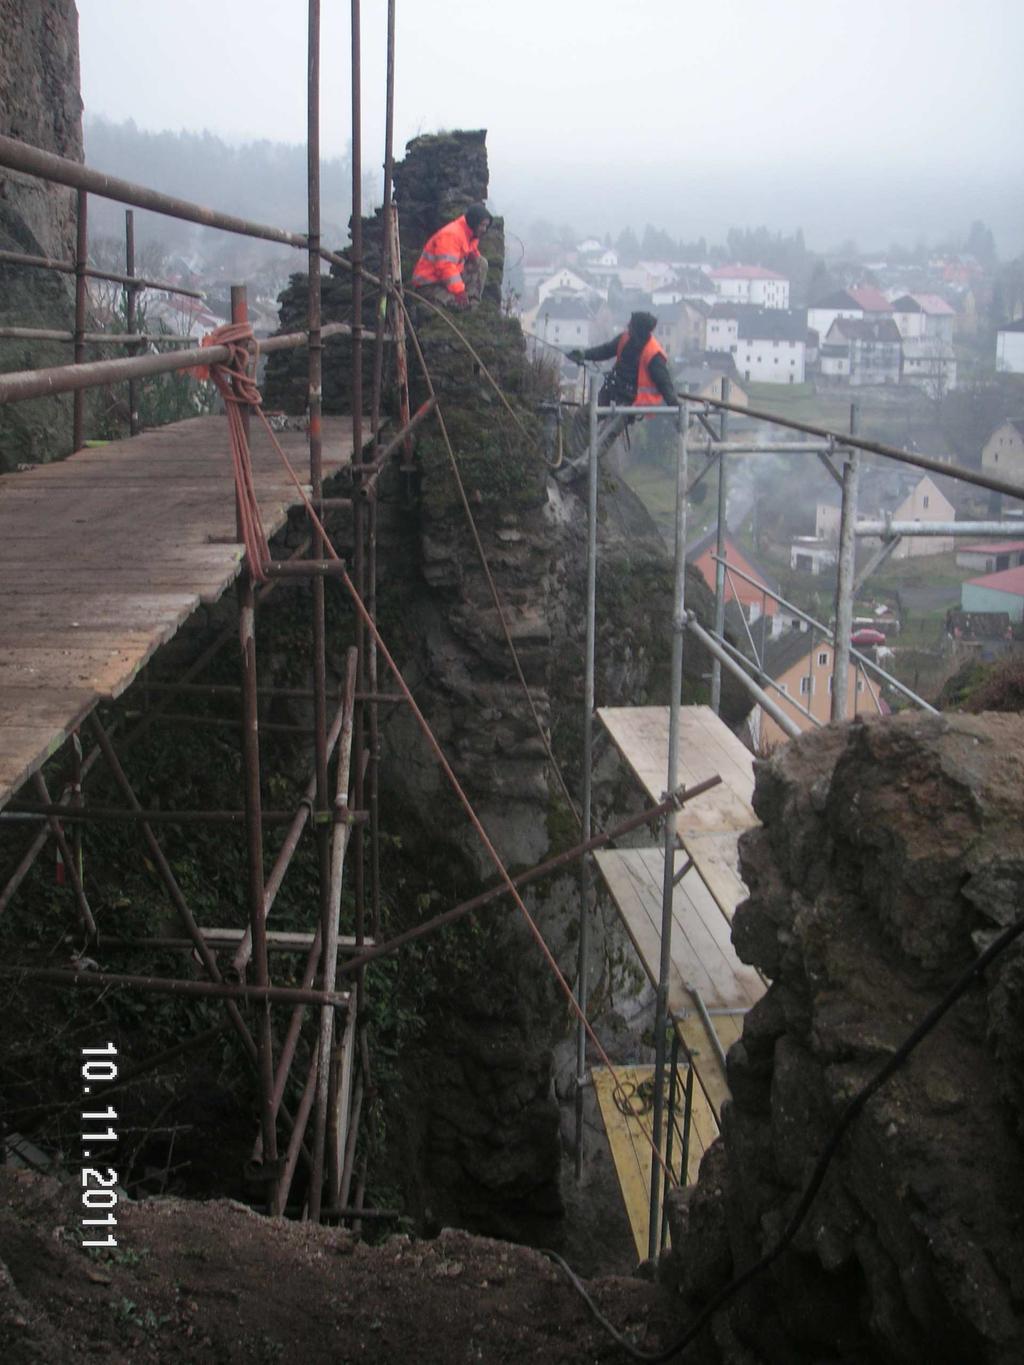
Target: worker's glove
461, 304
577, 357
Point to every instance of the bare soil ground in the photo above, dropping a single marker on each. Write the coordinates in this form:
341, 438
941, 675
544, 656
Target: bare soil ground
215, 1282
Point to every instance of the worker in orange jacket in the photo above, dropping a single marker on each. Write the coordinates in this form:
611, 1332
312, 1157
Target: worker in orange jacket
451, 271
640, 377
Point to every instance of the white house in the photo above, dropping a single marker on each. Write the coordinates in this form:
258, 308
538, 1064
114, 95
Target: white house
751, 284
821, 315
563, 320
1003, 452
721, 329
923, 315
1010, 348
930, 363
771, 346
862, 351
939, 317
566, 281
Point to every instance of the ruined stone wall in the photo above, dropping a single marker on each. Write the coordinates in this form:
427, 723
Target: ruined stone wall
890, 854
40, 103
480, 1129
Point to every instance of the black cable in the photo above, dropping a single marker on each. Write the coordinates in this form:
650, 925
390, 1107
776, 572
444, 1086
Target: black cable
913, 1039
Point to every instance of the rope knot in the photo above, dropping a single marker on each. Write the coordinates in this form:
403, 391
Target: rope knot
235, 381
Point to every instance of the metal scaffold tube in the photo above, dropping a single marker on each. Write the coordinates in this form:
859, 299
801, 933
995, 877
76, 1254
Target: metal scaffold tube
758, 693
583, 961
721, 528
844, 579
668, 882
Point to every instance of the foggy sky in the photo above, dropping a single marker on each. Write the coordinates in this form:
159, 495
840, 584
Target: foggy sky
875, 119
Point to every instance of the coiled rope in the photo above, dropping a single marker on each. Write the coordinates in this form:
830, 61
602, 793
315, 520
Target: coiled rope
235, 381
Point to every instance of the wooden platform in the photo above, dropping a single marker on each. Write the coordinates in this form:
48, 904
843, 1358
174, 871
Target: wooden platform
626, 1116
709, 827
104, 555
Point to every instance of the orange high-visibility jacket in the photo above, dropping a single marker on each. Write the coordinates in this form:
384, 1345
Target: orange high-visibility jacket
445, 254
647, 394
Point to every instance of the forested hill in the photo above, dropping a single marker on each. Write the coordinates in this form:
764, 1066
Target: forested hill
264, 181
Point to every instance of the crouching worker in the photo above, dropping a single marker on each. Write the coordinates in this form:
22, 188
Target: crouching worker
639, 378
451, 270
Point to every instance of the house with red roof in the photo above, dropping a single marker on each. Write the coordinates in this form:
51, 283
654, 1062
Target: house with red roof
754, 599
995, 592
991, 556
751, 284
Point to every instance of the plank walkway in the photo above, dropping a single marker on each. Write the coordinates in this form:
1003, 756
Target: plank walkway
104, 555
702, 958
709, 827
626, 1117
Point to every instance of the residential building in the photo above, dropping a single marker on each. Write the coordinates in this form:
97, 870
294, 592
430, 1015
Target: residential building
909, 317
812, 554
923, 500
681, 327
995, 592
801, 668
841, 304
930, 364
771, 346
688, 283
753, 601
871, 300
1003, 452
939, 317
991, 556
1010, 348
923, 315
563, 320
861, 351
707, 381
721, 328
566, 281
751, 284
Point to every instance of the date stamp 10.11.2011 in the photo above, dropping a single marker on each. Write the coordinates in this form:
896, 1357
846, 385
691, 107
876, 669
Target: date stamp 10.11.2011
100, 1190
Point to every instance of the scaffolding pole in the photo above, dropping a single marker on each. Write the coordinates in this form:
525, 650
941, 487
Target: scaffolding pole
583, 962
721, 528
668, 884
844, 579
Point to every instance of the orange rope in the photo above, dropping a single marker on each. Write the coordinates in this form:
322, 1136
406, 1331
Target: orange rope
424, 725
236, 384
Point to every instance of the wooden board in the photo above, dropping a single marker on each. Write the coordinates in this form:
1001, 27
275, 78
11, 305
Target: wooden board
104, 555
702, 954
706, 1065
716, 857
627, 1121
709, 826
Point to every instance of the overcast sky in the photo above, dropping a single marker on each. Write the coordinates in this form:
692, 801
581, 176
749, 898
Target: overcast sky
893, 117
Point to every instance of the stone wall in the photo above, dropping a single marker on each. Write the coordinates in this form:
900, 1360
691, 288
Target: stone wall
40, 104
480, 1128
890, 853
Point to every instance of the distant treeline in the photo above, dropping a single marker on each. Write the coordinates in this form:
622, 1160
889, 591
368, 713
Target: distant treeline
263, 181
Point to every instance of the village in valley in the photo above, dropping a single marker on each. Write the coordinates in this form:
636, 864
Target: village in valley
920, 349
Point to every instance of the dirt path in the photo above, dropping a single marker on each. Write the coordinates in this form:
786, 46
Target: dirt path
214, 1282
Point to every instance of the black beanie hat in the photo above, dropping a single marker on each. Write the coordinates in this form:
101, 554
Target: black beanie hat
642, 324
475, 215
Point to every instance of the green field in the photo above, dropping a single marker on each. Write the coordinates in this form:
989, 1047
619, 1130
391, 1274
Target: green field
800, 403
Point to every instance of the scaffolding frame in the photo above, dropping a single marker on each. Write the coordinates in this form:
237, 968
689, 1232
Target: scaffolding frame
692, 416
338, 1074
